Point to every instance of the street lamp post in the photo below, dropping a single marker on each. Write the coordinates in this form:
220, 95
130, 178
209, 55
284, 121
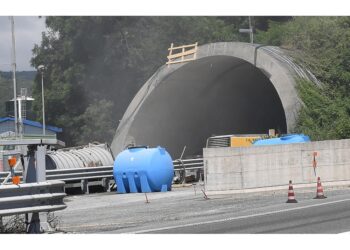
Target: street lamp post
14, 75
251, 31
41, 69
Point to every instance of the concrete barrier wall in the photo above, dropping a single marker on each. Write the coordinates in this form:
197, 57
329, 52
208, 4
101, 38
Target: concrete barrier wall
267, 166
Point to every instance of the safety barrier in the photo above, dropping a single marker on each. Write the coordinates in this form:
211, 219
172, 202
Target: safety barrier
78, 177
84, 177
32, 198
103, 176
189, 169
72, 174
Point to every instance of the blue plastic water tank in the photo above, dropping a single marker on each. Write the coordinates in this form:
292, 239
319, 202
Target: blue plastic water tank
287, 139
143, 169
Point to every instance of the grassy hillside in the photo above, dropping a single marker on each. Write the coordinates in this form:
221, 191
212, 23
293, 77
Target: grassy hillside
322, 44
24, 79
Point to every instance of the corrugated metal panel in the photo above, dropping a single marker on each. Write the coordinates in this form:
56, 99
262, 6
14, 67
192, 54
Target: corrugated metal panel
65, 160
101, 154
89, 156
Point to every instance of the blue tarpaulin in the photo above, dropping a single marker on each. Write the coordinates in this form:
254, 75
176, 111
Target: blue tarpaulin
287, 139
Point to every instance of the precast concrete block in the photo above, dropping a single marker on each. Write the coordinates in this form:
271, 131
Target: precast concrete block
266, 166
223, 165
222, 182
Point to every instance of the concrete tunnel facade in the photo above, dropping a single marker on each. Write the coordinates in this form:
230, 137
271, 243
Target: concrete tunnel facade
231, 88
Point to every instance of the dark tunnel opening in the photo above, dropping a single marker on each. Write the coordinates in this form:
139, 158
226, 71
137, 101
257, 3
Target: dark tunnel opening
214, 95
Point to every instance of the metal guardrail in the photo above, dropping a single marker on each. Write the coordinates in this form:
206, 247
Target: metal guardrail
192, 166
73, 174
86, 173
32, 198
103, 175
76, 177
188, 164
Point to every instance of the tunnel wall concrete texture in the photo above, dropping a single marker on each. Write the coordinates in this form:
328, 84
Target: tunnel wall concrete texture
231, 88
268, 166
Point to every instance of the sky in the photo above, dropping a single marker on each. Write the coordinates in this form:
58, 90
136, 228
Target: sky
28, 31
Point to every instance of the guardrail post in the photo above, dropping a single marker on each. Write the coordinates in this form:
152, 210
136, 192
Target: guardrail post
1, 225
198, 176
39, 223
34, 225
85, 186
105, 184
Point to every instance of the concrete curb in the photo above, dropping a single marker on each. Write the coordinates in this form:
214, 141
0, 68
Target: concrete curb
284, 187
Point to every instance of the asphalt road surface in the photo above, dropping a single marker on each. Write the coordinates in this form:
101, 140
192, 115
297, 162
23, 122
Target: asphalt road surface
329, 217
184, 210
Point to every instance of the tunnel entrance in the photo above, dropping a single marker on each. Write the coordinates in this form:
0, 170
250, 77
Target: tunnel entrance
213, 95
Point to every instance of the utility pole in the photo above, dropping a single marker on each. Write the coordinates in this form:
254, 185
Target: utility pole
14, 74
251, 30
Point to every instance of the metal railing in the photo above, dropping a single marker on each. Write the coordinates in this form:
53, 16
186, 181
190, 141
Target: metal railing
191, 167
188, 164
80, 173
103, 175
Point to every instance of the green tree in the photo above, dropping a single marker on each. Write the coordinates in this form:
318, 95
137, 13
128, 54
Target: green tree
322, 44
97, 122
325, 113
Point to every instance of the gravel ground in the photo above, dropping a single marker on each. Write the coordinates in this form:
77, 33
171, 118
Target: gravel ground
123, 213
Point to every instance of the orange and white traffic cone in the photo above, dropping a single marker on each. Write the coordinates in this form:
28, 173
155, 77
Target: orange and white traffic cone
291, 196
319, 193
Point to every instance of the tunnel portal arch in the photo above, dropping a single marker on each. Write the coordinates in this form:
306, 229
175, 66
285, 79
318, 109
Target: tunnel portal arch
231, 88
